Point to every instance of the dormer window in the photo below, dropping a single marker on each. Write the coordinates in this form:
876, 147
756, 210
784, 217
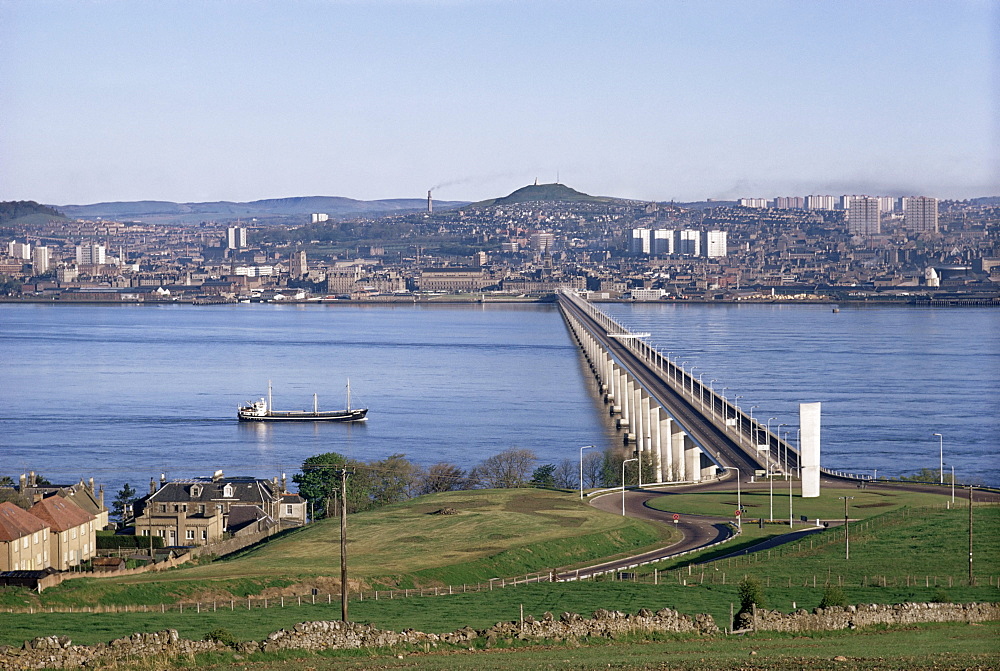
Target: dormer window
195, 491
227, 491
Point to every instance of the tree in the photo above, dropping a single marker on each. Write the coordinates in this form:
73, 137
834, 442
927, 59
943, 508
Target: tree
443, 477
751, 594
544, 476
833, 596
566, 475
318, 482
593, 462
19, 499
505, 470
394, 479
121, 508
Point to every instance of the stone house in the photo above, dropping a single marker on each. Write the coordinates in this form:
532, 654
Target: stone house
199, 511
24, 540
73, 537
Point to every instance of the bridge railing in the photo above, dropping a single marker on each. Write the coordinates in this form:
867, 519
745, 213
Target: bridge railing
747, 431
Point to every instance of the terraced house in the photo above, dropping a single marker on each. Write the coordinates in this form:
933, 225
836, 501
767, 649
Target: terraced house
24, 540
73, 537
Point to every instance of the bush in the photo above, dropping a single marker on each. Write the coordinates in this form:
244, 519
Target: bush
833, 596
751, 593
221, 635
113, 542
941, 596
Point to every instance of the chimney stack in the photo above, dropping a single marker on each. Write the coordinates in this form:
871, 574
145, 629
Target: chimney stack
100, 496
31, 478
430, 203
90, 486
284, 483
152, 486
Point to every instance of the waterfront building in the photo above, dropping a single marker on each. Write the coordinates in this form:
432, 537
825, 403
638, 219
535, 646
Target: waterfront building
863, 215
920, 214
24, 540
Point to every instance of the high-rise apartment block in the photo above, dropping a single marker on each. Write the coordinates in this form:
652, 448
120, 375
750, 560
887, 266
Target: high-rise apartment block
19, 250
920, 214
715, 244
320, 217
40, 259
689, 243
789, 202
753, 202
639, 242
888, 203
236, 237
91, 255
663, 241
542, 241
863, 215
820, 202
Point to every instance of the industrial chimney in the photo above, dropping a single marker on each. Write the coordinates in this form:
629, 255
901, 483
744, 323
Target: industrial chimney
430, 203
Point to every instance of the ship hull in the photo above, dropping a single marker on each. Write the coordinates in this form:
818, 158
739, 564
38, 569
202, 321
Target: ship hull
305, 416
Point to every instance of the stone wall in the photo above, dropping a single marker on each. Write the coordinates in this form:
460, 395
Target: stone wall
59, 652
853, 617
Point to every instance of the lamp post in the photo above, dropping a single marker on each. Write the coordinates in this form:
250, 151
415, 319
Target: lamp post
753, 430
941, 467
739, 500
798, 460
585, 447
952, 485
782, 462
701, 391
739, 419
623, 482
711, 397
682, 373
847, 528
691, 375
791, 522
767, 437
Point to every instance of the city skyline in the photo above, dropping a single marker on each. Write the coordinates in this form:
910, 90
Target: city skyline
653, 101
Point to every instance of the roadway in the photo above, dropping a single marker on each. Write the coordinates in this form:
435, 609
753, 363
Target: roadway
711, 439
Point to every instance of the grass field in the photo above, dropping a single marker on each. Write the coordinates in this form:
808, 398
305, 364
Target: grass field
496, 533
942, 647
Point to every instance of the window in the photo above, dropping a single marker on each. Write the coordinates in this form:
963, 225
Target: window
73, 532
288, 509
227, 491
189, 534
204, 534
35, 538
24, 542
145, 532
201, 509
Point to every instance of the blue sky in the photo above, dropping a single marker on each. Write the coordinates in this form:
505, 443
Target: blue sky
670, 99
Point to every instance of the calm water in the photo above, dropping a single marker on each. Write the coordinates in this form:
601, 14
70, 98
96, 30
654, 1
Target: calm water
123, 393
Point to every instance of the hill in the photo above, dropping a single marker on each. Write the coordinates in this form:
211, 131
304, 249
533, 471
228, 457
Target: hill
26, 212
170, 212
546, 193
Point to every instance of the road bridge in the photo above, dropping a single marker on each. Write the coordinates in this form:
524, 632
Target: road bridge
682, 429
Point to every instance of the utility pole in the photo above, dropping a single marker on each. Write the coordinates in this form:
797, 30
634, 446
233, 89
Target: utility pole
343, 544
847, 528
971, 579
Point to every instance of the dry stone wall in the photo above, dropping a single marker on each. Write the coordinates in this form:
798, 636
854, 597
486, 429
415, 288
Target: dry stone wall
56, 652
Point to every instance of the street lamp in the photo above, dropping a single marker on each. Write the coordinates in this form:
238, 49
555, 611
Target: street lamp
682, 372
623, 481
847, 528
701, 390
711, 397
691, 375
753, 430
783, 462
739, 418
941, 467
767, 437
952, 485
585, 447
739, 500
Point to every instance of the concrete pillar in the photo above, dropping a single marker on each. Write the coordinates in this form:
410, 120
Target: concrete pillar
640, 419
692, 459
627, 390
677, 448
615, 383
809, 424
655, 419
647, 424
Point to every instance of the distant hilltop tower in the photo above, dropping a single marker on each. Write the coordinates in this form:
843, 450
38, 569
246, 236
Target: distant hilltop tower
430, 202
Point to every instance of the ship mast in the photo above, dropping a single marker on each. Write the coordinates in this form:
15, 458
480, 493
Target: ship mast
348, 394
269, 396
315, 405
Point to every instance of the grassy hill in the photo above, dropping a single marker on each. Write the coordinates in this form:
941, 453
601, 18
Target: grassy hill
493, 533
545, 193
26, 213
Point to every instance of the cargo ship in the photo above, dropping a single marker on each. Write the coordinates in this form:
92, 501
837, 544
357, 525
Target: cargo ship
262, 411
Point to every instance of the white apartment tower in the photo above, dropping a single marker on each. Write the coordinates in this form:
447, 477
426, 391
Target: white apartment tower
715, 244
689, 243
236, 237
91, 255
40, 260
820, 202
920, 214
19, 250
863, 215
663, 241
639, 242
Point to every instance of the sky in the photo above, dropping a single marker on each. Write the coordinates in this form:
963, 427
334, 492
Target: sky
202, 100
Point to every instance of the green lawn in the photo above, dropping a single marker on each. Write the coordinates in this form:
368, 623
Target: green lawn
496, 533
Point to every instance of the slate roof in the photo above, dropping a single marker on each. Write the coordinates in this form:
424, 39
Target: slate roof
59, 513
17, 523
203, 490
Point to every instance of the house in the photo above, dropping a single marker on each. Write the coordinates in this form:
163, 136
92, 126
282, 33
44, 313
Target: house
83, 495
73, 539
24, 540
199, 511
